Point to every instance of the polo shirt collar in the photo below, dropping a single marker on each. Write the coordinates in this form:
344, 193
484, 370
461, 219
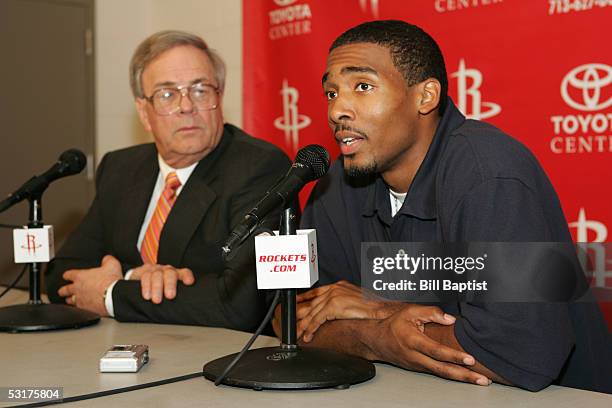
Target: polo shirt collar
420, 201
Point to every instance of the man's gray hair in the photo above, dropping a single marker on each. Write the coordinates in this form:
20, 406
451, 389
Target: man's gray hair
162, 41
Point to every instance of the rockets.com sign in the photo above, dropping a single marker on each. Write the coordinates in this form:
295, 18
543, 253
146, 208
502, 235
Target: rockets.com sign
287, 261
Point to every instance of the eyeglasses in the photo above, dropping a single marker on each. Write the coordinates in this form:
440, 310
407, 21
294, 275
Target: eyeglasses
167, 101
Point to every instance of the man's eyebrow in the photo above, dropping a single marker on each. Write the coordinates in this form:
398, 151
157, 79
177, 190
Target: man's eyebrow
366, 70
351, 69
167, 84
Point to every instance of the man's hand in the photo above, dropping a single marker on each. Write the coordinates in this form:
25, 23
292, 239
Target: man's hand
157, 281
400, 339
343, 300
88, 285
394, 332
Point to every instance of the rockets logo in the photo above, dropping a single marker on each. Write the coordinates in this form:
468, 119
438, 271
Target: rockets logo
478, 109
291, 122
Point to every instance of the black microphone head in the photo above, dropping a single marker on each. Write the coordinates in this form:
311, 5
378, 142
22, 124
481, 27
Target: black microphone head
73, 161
314, 157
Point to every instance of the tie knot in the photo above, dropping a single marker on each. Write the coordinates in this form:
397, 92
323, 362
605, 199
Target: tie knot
172, 181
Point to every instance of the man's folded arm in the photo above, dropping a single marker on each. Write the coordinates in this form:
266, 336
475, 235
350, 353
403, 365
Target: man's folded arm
363, 338
527, 344
226, 300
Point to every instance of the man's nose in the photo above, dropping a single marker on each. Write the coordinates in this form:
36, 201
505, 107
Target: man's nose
341, 109
185, 103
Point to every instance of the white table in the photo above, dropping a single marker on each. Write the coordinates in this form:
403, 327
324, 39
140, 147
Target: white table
69, 359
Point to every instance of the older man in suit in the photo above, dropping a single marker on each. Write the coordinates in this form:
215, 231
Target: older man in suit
149, 248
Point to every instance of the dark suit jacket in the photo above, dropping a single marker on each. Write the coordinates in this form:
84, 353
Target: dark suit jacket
223, 187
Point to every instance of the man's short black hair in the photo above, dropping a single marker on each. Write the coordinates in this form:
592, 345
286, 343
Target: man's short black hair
414, 52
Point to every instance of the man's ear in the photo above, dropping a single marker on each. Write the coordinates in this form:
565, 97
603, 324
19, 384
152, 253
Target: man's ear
429, 95
141, 107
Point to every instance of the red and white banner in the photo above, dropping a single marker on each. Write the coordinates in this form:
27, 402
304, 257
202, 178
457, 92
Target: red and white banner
540, 70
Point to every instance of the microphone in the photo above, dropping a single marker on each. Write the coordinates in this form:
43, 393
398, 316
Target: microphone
70, 162
311, 163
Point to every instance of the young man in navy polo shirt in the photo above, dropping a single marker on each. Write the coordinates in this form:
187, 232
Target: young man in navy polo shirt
414, 169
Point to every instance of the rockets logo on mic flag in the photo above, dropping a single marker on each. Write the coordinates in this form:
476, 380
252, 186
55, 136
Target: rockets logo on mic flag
540, 70
33, 244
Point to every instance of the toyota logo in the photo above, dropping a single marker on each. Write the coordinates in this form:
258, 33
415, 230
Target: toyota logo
591, 80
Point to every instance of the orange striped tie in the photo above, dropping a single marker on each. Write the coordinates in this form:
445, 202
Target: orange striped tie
150, 243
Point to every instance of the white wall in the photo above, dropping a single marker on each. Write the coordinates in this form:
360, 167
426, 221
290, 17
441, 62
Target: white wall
219, 23
121, 25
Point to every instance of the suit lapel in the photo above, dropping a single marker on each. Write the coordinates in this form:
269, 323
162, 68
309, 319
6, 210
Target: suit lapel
190, 207
187, 213
134, 206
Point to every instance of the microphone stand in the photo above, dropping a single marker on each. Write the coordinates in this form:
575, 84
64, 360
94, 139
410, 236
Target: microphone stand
290, 366
36, 315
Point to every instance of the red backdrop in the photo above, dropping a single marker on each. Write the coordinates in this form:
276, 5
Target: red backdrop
541, 70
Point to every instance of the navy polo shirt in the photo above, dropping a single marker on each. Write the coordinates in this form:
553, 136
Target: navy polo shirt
476, 184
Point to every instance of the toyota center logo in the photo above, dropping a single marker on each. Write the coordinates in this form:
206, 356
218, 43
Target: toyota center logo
283, 3
586, 87
289, 20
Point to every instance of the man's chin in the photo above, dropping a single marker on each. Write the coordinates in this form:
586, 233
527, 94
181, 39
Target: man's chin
359, 170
